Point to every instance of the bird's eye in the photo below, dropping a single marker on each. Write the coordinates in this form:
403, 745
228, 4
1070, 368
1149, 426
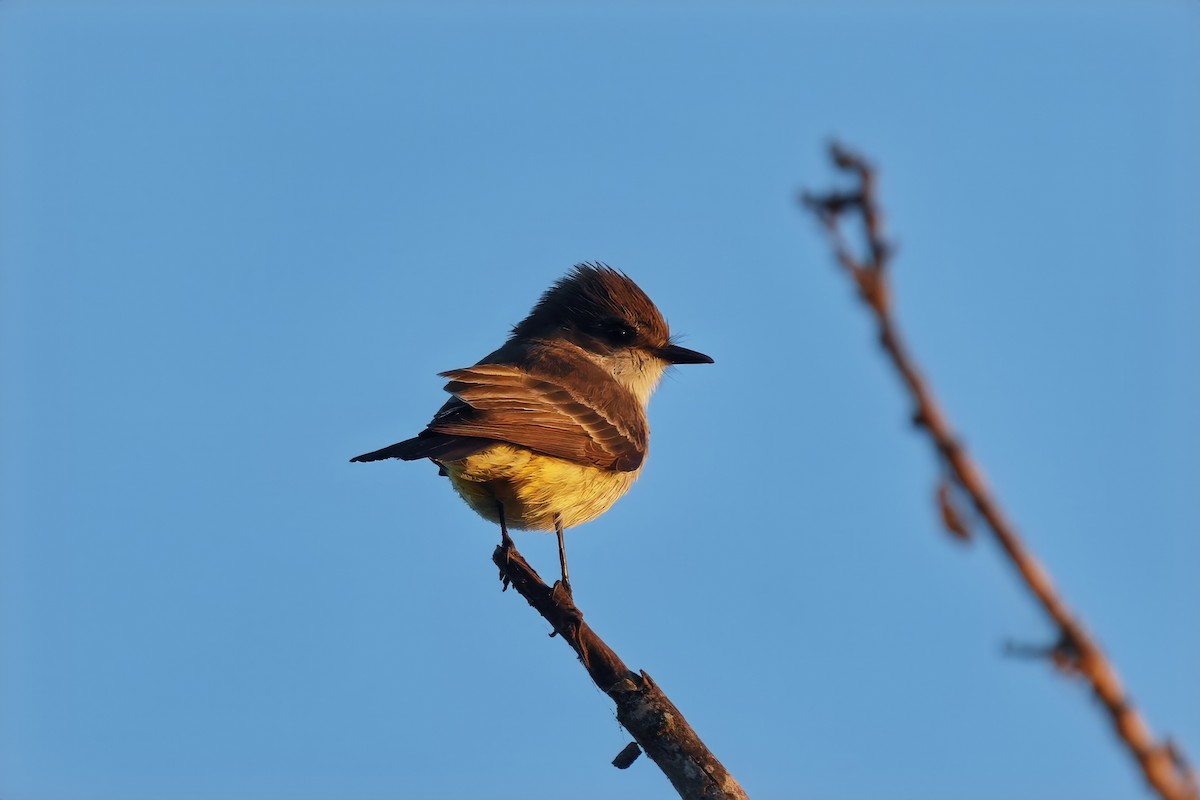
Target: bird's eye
615, 331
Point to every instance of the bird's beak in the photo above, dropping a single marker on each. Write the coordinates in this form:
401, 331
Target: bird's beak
674, 354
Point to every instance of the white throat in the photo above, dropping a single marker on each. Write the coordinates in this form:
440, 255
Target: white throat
636, 370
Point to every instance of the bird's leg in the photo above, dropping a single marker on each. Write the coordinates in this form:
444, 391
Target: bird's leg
562, 552
505, 540
506, 543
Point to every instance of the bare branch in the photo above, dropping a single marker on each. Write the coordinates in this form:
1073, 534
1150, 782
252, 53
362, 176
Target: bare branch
1163, 765
642, 708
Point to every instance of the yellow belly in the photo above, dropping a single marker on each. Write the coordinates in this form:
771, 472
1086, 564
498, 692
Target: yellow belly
533, 487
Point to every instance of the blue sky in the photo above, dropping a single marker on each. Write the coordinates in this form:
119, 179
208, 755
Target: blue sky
237, 243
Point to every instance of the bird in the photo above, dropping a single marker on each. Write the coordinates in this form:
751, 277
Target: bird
550, 430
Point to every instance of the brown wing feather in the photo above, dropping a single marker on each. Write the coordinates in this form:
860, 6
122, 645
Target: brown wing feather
546, 415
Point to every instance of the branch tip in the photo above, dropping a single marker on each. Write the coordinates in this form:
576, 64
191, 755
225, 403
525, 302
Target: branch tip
952, 517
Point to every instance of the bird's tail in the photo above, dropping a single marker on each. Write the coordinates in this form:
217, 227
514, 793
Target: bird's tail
438, 446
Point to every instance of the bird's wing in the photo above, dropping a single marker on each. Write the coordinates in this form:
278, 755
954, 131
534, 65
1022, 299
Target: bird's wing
508, 404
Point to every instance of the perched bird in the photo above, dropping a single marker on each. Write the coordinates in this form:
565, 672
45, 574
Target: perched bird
548, 431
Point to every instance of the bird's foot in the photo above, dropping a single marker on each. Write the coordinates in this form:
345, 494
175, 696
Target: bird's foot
506, 546
565, 601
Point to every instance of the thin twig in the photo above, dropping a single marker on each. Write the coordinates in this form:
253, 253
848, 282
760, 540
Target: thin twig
1161, 763
642, 708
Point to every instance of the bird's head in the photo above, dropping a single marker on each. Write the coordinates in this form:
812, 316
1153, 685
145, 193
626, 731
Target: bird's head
606, 314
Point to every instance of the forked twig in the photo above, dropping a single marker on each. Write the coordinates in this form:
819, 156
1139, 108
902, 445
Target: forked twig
1161, 763
642, 708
